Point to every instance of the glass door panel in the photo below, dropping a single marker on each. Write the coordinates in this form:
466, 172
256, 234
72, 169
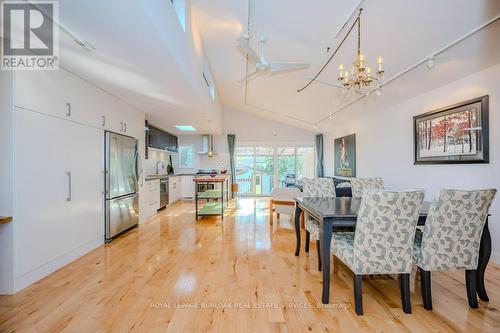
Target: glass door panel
305, 162
264, 170
244, 165
286, 161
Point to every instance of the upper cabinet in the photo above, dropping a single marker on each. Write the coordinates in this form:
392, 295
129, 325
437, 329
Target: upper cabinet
160, 139
63, 95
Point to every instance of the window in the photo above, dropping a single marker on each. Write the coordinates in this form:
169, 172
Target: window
260, 169
186, 157
180, 10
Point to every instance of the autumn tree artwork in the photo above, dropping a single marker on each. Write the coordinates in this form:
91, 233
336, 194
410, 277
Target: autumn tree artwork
454, 134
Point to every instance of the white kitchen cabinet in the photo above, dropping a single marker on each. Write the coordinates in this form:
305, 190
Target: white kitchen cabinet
174, 189
187, 187
58, 193
149, 198
64, 95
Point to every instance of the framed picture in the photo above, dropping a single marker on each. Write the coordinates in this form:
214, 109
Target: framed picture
345, 156
454, 134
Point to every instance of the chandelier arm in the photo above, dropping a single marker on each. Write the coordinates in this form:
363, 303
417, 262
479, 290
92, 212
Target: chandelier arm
334, 53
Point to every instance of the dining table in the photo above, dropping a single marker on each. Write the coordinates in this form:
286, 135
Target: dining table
340, 213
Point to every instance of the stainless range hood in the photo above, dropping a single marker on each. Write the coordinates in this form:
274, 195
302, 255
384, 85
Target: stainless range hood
207, 145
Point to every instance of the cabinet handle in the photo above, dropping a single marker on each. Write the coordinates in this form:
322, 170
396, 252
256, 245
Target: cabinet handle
103, 121
69, 187
68, 111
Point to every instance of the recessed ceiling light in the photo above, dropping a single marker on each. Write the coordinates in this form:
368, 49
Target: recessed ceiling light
186, 128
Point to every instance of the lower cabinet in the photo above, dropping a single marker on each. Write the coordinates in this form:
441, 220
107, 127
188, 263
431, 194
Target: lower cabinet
174, 189
187, 188
58, 193
149, 198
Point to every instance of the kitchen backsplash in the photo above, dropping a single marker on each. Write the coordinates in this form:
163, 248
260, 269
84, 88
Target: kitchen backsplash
154, 156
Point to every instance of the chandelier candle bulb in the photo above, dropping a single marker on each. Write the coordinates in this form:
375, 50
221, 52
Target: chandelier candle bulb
341, 71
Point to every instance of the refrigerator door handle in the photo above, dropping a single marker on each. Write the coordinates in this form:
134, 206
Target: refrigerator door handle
136, 167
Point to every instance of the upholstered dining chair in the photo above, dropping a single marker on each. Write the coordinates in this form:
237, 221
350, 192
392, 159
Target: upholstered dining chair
358, 185
451, 238
383, 240
282, 201
317, 187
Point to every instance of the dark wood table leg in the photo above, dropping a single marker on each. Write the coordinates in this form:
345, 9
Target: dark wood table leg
298, 210
325, 238
484, 258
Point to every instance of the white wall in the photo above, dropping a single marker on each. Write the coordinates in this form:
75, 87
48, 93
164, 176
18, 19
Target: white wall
200, 161
384, 144
250, 128
6, 181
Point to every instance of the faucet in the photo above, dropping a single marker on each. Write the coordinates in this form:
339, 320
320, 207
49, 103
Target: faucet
157, 166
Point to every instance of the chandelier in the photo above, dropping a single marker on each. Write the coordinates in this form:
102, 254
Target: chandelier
360, 78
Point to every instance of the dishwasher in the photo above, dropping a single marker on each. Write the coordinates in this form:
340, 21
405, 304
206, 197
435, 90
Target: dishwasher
163, 193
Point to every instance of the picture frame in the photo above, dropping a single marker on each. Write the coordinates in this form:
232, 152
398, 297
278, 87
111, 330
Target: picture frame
456, 134
345, 156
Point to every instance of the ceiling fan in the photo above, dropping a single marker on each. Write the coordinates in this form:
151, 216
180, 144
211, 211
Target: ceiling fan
261, 64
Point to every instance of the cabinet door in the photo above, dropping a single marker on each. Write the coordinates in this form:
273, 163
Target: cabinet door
187, 187
58, 190
61, 94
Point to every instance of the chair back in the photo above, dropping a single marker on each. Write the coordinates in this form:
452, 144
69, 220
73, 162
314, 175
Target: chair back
358, 185
285, 194
385, 230
318, 187
453, 229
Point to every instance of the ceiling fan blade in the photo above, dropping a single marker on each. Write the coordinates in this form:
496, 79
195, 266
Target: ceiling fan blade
247, 50
285, 66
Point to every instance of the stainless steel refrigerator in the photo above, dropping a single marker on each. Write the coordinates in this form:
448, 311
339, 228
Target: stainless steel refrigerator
122, 163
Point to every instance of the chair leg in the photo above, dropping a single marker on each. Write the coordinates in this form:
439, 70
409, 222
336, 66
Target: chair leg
308, 239
425, 286
358, 295
318, 248
470, 283
404, 283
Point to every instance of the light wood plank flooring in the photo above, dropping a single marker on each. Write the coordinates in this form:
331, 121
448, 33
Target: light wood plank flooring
242, 275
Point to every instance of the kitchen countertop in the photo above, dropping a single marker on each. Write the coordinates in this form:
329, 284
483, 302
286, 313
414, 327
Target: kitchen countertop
207, 178
163, 176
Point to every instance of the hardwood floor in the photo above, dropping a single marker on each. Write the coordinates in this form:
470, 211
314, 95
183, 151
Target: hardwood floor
153, 278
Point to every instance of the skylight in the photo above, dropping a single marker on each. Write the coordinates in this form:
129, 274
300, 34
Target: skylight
185, 128
180, 10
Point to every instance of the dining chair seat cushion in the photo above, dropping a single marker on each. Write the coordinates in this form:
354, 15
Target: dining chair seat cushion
343, 247
312, 226
452, 231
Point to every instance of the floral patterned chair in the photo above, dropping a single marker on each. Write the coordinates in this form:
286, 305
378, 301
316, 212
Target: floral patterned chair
383, 240
317, 187
360, 184
451, 237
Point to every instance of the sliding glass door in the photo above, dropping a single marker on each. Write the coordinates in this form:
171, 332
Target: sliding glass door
259, 169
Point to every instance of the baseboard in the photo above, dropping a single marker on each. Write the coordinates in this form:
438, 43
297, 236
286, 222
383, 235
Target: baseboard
495, 257
33, 276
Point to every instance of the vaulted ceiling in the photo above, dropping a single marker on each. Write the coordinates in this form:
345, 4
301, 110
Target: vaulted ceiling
404, 33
